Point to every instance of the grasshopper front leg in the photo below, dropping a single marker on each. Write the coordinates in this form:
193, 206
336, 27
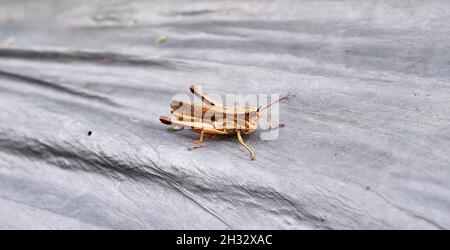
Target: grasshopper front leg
269, 120
245, 145
197, 143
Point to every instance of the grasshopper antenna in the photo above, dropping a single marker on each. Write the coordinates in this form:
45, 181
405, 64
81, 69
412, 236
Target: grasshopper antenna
279, 100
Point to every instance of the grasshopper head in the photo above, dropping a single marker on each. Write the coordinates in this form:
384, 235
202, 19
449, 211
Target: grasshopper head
256, 115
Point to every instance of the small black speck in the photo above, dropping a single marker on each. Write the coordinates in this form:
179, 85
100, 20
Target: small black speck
89, 133
335, 154
367, 188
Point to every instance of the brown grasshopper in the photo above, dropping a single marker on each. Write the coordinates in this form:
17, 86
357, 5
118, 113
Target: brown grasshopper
222, 120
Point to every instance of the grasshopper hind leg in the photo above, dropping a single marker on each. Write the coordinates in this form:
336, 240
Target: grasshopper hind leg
239, 136
197, 143
174, 129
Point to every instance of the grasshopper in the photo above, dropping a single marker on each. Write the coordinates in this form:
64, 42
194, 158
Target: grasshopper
223, 120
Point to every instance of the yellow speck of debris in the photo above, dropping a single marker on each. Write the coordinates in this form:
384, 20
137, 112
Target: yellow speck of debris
9, 41
160, 39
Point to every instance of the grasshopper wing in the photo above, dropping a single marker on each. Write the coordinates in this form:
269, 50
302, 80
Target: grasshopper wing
186, 111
